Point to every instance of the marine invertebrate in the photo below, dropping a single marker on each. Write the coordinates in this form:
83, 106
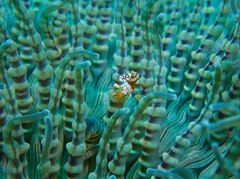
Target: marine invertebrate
129, 83
119, 89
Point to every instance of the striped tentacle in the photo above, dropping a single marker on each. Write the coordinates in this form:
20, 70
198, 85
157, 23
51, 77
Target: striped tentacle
170, 30
104, 28
117, 166
77, 147
101, 159
137, 42
200, 56
52, 51
121, 60
183, 142
89, 25
183, 47
15, 148
60, 29
56, 94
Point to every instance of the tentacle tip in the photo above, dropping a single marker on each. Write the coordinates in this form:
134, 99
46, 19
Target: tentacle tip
83, 65
174, 96
150, 171
162, 15
46, 119
97, 55
89, 63
112, 177
9, 41
205, 123
212, 107
46, 112
217, 65
126, 110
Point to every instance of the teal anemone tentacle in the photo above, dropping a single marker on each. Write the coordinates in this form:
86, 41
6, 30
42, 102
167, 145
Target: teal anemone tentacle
171, 29
199, 93
229, 106
232, 95
145, 12
112, 177
104, 28
43, 72
176, 173
52, 51
68, 98
124, 145
8, 128
101, 159
148, 62
169, 8
129, 12
77, 147
224, 124
150, 142
60, 29
56, 94
4, 46
163, 174
89, 26
159, 86
200, 42
225, 164
187, 39
183, 142
18, 73
232, 111
44, 163
160, 70
3, 30
214, 93
11, 102
76, 27
121, 61
157, 40
15, 148
225, 106
231, 56
7, 92
208, 15
20, 34
200, 55
137, 42
2, 118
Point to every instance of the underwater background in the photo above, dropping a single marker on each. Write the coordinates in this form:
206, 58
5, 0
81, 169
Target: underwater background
105, 89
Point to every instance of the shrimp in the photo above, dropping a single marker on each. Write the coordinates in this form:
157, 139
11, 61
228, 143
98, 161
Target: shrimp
122, 91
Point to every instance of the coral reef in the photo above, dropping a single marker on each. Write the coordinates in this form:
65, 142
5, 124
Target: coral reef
119, 89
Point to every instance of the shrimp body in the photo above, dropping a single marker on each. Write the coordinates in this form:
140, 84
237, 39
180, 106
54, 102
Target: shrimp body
122, 91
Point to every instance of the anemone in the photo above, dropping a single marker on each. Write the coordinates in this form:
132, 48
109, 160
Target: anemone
105, 89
